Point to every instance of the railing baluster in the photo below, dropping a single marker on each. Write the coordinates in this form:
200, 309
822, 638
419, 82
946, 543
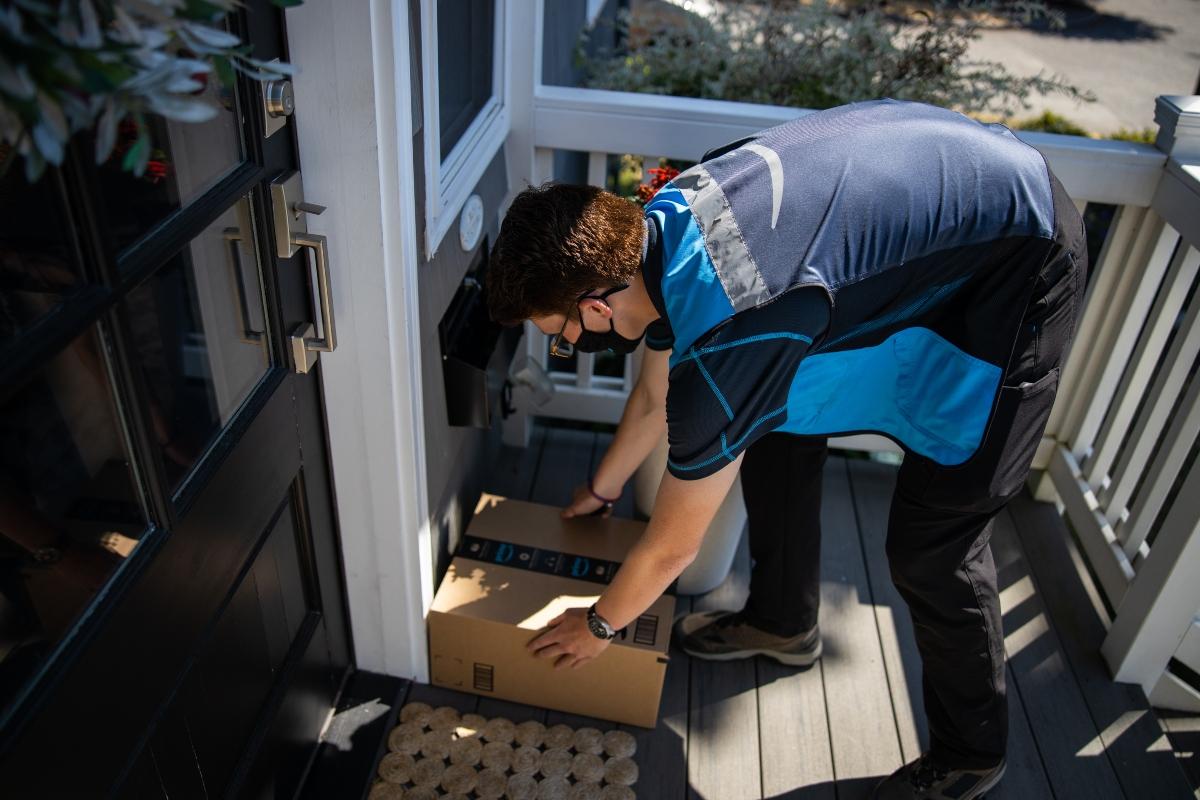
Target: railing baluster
598, 169
1157, 407
543, 165
585, 363
1161, 602
1163, 469
1078, 376
1132, 392
1132, 298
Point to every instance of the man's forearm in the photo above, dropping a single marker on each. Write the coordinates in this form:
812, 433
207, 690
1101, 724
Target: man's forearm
642, 426
682, 513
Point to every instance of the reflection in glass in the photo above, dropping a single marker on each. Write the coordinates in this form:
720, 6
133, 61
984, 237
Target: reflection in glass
37, 267
197, 329
69, 510
466, 31
186, 159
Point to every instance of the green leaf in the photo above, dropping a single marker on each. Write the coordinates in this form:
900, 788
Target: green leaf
137, 154
225, 72
287, 3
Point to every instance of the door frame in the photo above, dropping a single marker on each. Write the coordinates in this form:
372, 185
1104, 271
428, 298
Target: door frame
354, 118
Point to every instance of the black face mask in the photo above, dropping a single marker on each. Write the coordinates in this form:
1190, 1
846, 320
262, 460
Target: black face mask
593, 342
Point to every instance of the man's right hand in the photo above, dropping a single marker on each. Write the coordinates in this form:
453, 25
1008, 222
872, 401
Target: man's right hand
584, 503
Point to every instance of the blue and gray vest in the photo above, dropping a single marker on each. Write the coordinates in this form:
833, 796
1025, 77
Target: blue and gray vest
925, 229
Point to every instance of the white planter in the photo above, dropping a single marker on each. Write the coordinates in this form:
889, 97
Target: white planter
716, 554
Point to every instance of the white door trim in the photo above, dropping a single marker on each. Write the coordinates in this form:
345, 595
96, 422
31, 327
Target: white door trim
355, 128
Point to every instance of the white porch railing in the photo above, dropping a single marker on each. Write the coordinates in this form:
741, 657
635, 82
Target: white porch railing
1126, 420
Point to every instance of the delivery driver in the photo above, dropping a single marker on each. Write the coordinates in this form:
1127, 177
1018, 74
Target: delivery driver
885, 267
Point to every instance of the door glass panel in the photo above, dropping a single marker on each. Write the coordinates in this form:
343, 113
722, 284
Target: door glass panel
37, 267
186, 159
197, 328
69, 509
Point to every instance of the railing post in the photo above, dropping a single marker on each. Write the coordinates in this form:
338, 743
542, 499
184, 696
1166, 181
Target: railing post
1178, 118
525, 75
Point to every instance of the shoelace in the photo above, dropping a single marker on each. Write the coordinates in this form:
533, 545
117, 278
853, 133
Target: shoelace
925, 774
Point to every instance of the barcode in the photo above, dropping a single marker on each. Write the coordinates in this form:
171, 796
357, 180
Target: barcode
485, 677
646, 631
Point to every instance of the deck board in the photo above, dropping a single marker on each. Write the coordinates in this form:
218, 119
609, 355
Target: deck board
797, 759
1053, 701
723, 753
756, 729
872, 484
1129, 732
862, 725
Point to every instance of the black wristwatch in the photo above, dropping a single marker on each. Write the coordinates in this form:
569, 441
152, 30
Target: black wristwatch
598, 625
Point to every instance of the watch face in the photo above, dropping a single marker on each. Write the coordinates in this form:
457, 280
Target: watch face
598, 628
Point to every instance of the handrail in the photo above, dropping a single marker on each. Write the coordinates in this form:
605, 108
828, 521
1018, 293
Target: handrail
599, 120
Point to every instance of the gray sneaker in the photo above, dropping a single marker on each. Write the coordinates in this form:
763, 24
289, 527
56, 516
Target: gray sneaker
726, 636
924, 779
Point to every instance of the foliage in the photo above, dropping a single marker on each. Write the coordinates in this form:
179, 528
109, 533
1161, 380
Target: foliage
820, 55
70, 66
1050, 122
659, 176
1143, 135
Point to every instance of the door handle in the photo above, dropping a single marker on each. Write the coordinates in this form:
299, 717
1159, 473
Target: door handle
305, 344
233, 238
292, 236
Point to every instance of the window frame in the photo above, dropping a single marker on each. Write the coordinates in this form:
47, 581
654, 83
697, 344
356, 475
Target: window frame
449, 181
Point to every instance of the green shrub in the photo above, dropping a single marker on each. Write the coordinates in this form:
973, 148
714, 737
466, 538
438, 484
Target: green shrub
1049, 122
820, 55
1145, 135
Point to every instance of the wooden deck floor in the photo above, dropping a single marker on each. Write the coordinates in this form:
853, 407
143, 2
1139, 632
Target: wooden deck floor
755, 729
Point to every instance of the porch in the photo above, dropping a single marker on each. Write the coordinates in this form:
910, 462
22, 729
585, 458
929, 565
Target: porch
756, 729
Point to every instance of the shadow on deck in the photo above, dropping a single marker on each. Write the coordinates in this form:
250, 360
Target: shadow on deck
756, 729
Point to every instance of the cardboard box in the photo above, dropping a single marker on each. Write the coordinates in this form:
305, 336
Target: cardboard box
519, 566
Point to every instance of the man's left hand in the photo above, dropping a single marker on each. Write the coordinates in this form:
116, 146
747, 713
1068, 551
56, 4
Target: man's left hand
568, 640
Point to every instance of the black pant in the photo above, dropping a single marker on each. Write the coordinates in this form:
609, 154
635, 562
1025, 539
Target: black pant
938, 532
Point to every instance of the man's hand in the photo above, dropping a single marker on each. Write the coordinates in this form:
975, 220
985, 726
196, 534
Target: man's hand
584, 503
568, 640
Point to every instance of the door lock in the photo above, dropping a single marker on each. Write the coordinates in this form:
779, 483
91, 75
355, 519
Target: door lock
278, 103
291, 236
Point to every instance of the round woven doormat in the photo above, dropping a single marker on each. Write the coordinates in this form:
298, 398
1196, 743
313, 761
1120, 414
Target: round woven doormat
438, 752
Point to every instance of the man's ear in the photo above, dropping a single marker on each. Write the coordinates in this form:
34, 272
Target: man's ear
593, 305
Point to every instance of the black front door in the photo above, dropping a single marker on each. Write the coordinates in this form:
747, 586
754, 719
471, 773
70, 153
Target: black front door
172, 615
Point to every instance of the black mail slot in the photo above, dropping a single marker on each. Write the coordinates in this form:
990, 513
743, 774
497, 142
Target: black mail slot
476, 352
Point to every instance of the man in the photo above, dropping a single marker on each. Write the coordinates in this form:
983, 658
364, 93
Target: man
886, 267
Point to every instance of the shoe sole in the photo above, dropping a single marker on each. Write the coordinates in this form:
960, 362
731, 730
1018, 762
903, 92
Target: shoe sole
790, 659
991, 784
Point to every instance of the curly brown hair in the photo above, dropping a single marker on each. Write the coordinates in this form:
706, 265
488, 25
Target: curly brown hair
558, 241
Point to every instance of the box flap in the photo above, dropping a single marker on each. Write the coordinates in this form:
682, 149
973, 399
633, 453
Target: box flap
530, 600
534, 525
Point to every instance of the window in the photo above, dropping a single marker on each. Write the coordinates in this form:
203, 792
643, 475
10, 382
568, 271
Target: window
464, 75
466, 108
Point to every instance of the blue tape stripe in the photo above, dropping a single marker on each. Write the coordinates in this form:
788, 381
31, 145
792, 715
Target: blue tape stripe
727, 450
762, 337
711, 384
